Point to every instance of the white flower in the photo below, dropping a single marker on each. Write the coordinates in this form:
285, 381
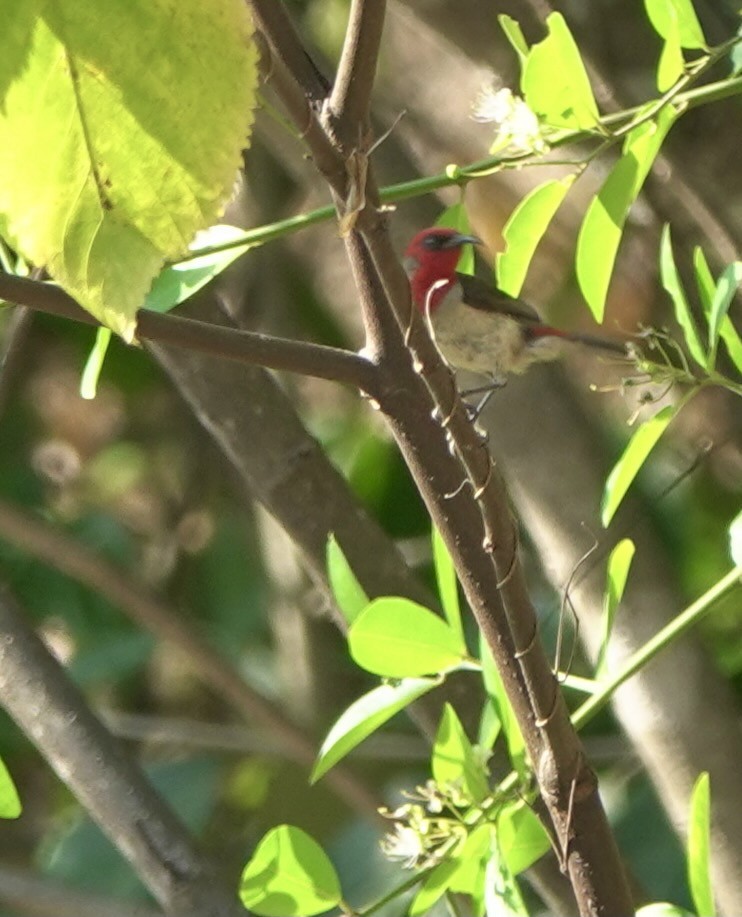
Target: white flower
517, 125
404, 844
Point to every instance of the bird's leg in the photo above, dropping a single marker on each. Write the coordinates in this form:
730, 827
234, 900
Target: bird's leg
487, 391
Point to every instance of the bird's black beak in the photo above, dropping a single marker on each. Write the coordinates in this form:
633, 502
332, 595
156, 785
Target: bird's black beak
456, 241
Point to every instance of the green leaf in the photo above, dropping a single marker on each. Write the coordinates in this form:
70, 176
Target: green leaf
502, 895
672, 283
448, 586
619, 564
496, 692
524, 230
435, 884
555, 83
602, 227
109, 166
735, 539
348, 592
634, 455
472, 857
490, 726
699, 860
515, 36
10, 803
365, 716
181, 280
671, 63
397, 638
521, 837
94, 364
726, 288
707, 293
289, 875
667, 16
454, 761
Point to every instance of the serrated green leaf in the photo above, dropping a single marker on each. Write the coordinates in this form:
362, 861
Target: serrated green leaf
699, 843
496, 693
555, 83
181, 280
667, 16
619, 564
365, 716
524, 230
642, 442
289, 875
448, 584
454, 762
671, 63
348, 592
672, 283
94, 364
108, 167
10, 803
514, 35
726, 289
397, 638
602, 227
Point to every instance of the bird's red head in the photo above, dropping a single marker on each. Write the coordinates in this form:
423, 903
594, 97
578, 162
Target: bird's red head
430, 261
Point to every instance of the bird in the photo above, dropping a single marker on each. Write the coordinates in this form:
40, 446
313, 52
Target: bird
476, 326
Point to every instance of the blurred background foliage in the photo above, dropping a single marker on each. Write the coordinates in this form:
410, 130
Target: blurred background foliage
133, 477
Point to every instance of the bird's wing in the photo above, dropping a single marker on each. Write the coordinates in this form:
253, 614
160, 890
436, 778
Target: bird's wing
480, 295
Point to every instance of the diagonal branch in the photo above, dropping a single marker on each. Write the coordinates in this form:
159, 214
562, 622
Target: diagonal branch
44, 702
315, 360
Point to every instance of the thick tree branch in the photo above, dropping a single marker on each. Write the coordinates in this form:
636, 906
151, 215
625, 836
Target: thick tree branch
68, 556
301, 357
49, 708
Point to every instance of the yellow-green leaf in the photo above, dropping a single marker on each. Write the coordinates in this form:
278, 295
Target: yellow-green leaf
667, 16
699, 843
121, 132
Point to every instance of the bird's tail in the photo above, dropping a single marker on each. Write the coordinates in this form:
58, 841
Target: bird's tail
590, 340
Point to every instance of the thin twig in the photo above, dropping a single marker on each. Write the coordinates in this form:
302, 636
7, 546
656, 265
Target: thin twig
349, 100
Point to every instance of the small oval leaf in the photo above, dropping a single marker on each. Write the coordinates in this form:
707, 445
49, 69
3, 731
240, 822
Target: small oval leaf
454, 760
672, 283
619, 564
10, 803
397, 638
699, 844
348, 592
365, 716
289, 875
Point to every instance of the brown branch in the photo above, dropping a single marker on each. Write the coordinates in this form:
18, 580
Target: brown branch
351, 93
308, 359
68, 556
44, 702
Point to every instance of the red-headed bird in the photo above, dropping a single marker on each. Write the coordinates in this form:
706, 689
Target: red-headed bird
476, 326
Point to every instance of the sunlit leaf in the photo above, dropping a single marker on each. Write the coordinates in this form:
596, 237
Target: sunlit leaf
619, 564
521, 837
735, 539
634, 455
94, 364
109, 165
699, 837
289, 875
348, 592
707, 291
472, 858
397, 638
669, 15
602, 227
672, 283
496, 692
726, 289
524, 230
454, 761
555, 83
502, 897
671, 63
365, 716
448, 585
10, 803
514, 35
181, 280
490, 726
435, 884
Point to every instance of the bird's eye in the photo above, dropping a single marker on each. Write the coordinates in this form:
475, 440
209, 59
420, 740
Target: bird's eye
435, 242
